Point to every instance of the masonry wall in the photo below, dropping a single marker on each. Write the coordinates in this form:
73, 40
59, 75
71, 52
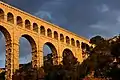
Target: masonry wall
15, 24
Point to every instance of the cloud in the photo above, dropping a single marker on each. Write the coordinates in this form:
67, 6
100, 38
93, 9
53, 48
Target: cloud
45, 15
83, 17
103, 8
109, 24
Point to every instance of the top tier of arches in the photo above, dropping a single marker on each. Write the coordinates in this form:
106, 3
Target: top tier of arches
38, 29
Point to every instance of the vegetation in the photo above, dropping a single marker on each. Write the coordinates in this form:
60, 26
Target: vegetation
103, 63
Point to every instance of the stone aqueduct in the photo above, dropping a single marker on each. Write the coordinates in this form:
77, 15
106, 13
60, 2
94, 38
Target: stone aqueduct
15, 23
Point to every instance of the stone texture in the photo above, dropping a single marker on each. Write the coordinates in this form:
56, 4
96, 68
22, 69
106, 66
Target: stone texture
28, 26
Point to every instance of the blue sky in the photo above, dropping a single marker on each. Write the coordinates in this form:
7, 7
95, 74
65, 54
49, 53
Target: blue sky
83, 17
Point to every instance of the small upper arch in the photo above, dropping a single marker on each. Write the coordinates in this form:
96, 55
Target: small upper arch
67, 40
10, 17
42, 30
56, 35
72, 42
35, 27
77, 43
19, 21
27, 24
61, 38
49, 32
2, 14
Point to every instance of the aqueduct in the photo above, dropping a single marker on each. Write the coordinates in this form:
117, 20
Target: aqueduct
15, 23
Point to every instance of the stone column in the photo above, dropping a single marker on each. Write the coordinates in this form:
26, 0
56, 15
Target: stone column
34, 56
8, 65
79, 54
40, 53
12, 59
15, 56
60, 57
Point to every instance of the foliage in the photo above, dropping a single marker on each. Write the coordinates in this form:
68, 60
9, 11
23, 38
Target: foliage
100, 64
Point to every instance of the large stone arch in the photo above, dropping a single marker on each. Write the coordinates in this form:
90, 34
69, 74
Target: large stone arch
68, 56
66, 52
34, 49
8, 60
54, 52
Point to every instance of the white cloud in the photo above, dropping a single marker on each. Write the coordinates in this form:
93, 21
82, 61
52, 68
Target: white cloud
103, 8
44, 15
110, 28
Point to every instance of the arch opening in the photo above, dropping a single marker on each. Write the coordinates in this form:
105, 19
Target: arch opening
78, 44
61, 38
72, 42
10, 17
50, 54
6, 49
35, 27
19, 21
68, 57
1, 14
67, 40
49, 33
25, 56
55, 35
85, 50
42, 30
27, 24
28, 54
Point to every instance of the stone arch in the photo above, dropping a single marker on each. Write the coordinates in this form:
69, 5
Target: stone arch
54, 52
77, 43
10, 17
67, 40
68, 56
8, 65
66, 52
34, 49
42, 30
35, 27
27, 24
83, 45
61, 38
72, 42
2, 14
19, 21
49, 33
56, 35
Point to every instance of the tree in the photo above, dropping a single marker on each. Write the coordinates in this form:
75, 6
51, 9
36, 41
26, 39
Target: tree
96, 40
